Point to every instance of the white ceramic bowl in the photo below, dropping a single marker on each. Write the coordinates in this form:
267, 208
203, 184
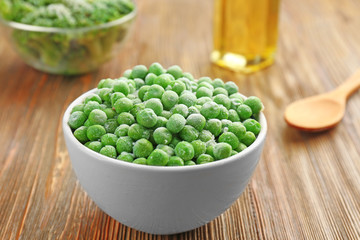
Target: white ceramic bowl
161, 200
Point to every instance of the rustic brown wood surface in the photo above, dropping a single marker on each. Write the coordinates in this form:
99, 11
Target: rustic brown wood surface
306, 186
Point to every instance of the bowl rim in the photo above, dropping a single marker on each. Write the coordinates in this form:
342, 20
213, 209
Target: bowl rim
34, 28
67, 131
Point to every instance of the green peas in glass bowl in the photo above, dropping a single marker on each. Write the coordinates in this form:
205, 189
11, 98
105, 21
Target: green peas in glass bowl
198, 161
78, 42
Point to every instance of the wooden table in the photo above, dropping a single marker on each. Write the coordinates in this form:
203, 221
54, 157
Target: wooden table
306, 186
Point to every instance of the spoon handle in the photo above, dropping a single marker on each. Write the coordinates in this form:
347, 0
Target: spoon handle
346, 89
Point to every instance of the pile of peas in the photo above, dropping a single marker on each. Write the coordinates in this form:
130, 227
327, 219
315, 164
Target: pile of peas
164, 117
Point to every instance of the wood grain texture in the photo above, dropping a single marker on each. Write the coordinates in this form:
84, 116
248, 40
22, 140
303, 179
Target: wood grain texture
306, 186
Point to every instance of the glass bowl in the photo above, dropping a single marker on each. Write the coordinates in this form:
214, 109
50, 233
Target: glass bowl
64, 50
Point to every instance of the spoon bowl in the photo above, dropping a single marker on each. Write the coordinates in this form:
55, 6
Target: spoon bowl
324, 111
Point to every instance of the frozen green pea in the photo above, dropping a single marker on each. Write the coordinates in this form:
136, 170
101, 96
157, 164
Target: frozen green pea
97, 116
210, 110
218, 83
121, 86
244, 111
155, 104
158, 158
248, 138
110, 125
204, 158
194, 86
141, 161
233, 116
122, 130
210, 150
77, 119
196, 120
225, 123
110, 113
108, 151
204, 92
161, 122
123, 105
231, 87
176, 123
91, 106
101, 83
155, 91
175, 161
206, 135
116, 96
156, 69
87, 123
95, 146
166, 114
136, 131
237, 96
80, 134
189, 163
125, 118
201, 101
199, 147
162, 135
230, 138
207, 85
254, 103
205, 79
124, 144
109, 139
238, 129
222, 99
224, 113
93, 97
142, 148
146, 118
174, 141
107, 83
252, 125
178, 86
219, 90
235, 103
127, 73
222, 150
137, 108
125, 156
175, 71
233, 152
142, 91
169, 150
149, 79
189, 133
184, 150
181, 109
241, 147
95, 132
188, 76
169, 99
139, 71
214, 126
163, 80
188, 99
103, 106
139, 83
79, 107
193, 110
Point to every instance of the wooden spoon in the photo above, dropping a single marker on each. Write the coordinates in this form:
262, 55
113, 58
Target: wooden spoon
322, 112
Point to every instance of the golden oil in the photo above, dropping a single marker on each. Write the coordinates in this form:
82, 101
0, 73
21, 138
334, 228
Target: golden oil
245, 34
